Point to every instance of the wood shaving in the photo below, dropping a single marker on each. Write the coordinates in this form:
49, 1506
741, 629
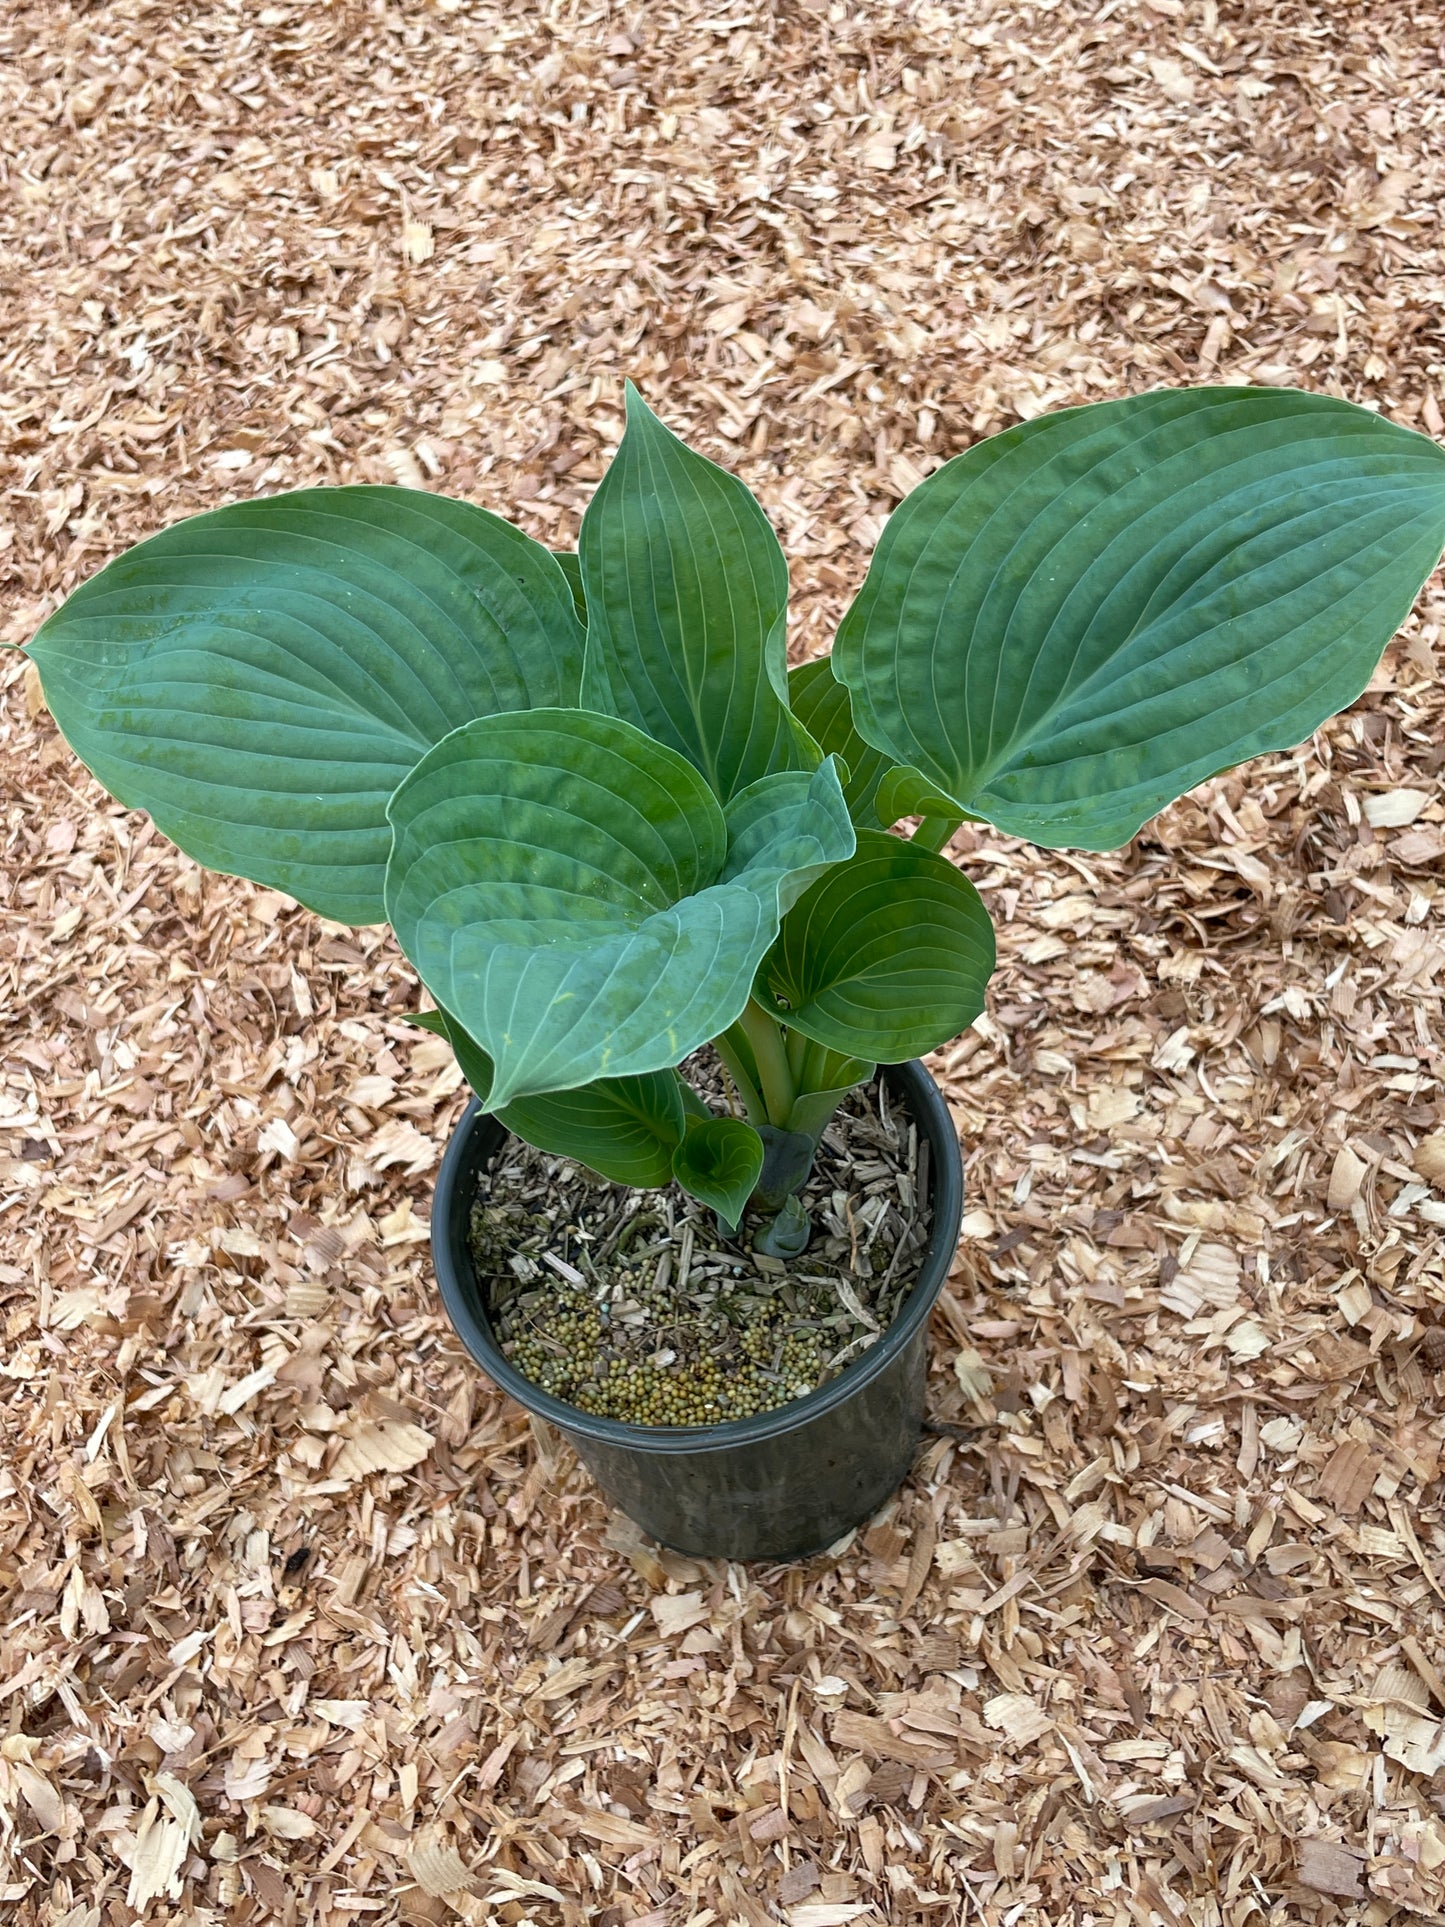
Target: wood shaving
835, 245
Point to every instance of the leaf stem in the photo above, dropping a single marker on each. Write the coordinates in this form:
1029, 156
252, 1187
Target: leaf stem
765, 1035
754, 1108
799, 1047
935, 831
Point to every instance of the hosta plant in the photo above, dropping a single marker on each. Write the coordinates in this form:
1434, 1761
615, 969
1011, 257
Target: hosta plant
609, 825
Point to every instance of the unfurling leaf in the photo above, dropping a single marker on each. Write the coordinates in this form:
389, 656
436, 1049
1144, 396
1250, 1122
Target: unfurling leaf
787, 1160
787, 1233
718, 1161
1071, 624
262, 677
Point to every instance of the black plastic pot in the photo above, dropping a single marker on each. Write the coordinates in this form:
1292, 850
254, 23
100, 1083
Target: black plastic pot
784, 1484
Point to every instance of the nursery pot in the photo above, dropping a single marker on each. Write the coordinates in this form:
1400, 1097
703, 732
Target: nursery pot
784, 1483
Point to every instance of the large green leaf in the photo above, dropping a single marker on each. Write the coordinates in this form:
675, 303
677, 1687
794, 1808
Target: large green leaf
1071, 624
686, 591
719, 1160
623, 1128
261, 678
885, 957
563, 885
821, 704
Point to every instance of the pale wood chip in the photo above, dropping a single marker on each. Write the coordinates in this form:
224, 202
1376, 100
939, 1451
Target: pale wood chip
861, 1733
437, 1867
676, 1612
162, 1844
1347, 1175
1394, 809
1429, 1158
386, 1446
1017, 1716
1347, 1480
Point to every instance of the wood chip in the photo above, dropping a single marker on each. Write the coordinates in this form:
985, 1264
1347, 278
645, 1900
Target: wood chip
1329, 1868
1349, 1476
1395, 809
1347, 1175
858, 1732
1017, 1716
676, 1612
1429, 1158
833, 252
437, 1867
387, 1446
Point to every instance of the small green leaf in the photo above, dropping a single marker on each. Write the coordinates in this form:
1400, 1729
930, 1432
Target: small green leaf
885, 957
788, 1233
718, 1161
1071, 624
260, 678
687, 591
565, 888
821, 704
623, 1128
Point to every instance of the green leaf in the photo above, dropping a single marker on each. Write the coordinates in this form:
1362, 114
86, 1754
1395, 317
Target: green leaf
564, 886
821, 704
718, 1161
1073, 623
262, 677
885, 957
788, 1234
623, 1128
687, 592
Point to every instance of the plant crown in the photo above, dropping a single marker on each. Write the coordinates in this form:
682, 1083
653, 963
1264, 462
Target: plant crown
609, 824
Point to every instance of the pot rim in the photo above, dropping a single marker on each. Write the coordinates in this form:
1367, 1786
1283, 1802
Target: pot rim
461, 1296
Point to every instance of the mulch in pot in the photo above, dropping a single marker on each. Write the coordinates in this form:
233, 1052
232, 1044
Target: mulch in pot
634, 1305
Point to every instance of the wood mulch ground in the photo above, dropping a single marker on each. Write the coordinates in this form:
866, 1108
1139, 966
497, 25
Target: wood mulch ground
298, 1620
